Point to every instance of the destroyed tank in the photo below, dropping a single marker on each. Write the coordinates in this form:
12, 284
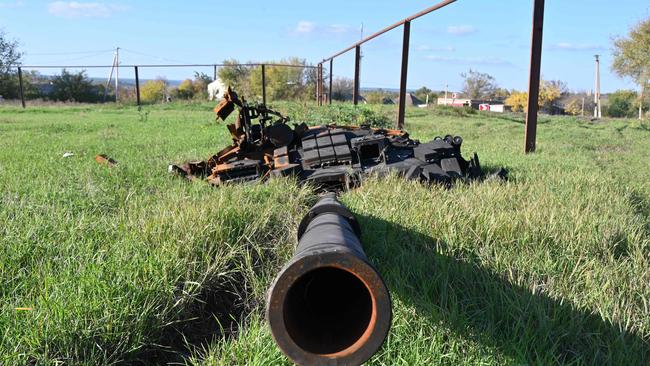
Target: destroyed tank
331, 157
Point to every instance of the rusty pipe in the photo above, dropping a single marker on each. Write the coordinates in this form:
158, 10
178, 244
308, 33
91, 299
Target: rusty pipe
329, 305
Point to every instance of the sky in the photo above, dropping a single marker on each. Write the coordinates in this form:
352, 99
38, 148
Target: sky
486, 36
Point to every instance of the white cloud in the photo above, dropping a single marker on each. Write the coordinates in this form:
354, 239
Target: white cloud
304, 27
74, 9
11, 4
493, 61
438, 49
566, 46
461, 30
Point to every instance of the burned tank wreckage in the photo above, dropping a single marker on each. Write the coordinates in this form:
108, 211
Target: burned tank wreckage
331, 157
328, 305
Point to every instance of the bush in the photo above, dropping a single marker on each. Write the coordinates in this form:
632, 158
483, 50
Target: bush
153, 91
338, 113
623, 103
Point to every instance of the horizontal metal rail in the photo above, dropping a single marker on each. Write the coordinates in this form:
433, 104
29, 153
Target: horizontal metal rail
391, 27
170, 65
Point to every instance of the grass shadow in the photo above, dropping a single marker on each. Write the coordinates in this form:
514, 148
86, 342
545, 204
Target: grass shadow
478, 304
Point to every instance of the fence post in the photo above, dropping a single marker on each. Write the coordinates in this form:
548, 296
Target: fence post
534, 77
321, 92
263, 84
357, 64
20, 83
214, 73
329, 96
405, 66
137, 86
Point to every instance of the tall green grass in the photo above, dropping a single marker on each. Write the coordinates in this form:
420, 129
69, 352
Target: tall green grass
127, 265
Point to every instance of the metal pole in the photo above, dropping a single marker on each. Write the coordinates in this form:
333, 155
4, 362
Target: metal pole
320, 84
405, 66
263, 84
137, 86
357, 64
393, 26
20, 84
329, 96
214, 72
534, 77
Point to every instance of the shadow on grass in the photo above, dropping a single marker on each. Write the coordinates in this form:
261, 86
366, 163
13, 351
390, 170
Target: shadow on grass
479, 304
213, 314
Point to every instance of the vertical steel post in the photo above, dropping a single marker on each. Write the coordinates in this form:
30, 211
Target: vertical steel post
263, 84
321, 93
403, 77
329, 94
214, 72
137, 86
534, 77
357, 64
20, 84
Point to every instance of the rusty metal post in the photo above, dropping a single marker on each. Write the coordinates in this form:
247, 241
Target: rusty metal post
329, 94
137, 85
321, 93
534, 77
263, 84
403, 77
357, 65
20, 84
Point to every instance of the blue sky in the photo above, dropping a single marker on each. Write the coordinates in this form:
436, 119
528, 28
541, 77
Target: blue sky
488, 36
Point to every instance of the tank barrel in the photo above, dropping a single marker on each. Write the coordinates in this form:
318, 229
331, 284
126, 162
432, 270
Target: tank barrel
328, 305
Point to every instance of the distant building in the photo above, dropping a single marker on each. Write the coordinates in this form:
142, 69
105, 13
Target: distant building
455, 102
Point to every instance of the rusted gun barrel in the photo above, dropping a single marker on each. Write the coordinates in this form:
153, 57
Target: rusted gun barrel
328, 305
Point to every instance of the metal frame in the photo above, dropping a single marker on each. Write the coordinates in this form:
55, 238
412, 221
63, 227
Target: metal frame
534, 76
405, 49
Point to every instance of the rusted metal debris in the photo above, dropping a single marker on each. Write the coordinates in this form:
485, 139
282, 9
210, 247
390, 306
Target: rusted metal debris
328, 305
332, 157
105, 160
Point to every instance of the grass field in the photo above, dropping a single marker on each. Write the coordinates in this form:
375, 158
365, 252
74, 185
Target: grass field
128, 265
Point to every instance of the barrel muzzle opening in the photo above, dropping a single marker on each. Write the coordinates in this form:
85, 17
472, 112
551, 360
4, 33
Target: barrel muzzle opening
321, 310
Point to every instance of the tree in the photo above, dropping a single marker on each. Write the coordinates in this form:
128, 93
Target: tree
75, 87
185, 89
200, 85
342, 89
478, 85
9, 57
235, 75
632, 58
423, 92
153, 90
285, 82
517, 100
549, 93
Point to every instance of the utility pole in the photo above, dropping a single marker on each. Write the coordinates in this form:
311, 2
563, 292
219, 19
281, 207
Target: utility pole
597, 108
641, 102
110, 77
117, 74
